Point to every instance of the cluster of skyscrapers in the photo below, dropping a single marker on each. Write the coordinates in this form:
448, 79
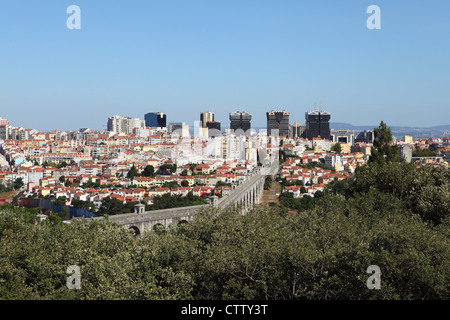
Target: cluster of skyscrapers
317, 124
240, 120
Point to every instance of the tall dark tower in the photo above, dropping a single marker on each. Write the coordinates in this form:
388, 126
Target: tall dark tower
278, 120
240, 120
155, 119
206, 117
318, 124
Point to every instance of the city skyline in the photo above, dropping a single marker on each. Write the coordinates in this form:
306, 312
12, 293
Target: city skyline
184, 58
443, 129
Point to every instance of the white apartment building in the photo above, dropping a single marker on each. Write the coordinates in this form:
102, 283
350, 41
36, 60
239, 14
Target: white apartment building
124, 124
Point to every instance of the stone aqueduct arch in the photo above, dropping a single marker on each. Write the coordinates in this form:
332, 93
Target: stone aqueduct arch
146, 222
243, 197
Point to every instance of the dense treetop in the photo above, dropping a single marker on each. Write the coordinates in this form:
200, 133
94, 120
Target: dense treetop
394, 216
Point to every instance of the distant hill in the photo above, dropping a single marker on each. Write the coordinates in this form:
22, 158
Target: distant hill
398, 132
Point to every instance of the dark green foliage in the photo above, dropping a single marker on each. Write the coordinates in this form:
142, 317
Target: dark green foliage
149, 171
68, 183
285, 183
170, 184
222, 183
6, 188
167, 201
60, 200
392, 215
301, 204
313, 165
132, 173
424, 191
18, 183
94, 185
424, 153
321, 254
46, 164
83, 204
337, 148
268, 183
34, 259
111, 206
185, 183
383, 150
168, 168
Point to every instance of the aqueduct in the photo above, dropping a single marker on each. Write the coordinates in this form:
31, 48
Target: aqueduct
243, 196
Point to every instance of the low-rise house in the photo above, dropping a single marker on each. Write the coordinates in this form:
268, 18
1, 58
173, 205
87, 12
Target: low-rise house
183, 191
158, 192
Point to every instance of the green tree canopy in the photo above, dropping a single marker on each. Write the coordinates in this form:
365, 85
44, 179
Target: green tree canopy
337, 148
185, 183
383, 150
132, 173
392, 215
18, 183
149, 171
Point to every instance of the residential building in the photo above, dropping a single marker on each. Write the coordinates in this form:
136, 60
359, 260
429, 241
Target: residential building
405, 152
407, 139
123, 124
297, 130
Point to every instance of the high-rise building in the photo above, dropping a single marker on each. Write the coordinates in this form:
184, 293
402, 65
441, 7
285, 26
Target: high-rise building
4, 132
342, 136
207, 121
206, 117
240, 120
405, 152
365, 136
407, 139
317, 124
3, 122
4, 129
155, 120
278, 120
214, 128
297, 130
124, 124
213, 125
179, 127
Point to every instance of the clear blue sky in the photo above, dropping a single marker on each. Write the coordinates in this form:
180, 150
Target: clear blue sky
188, 56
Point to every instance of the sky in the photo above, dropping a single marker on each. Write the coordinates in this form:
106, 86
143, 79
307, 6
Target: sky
182, 57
